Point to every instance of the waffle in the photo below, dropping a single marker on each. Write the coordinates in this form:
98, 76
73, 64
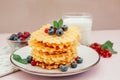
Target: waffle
51, 51
50, 59
53, 48
69, 36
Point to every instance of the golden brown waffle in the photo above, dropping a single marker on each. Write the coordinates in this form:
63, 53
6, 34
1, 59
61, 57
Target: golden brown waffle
69, 36
50, 66
57, 59
51, 51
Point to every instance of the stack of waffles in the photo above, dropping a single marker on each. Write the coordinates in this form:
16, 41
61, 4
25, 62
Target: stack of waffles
51, 51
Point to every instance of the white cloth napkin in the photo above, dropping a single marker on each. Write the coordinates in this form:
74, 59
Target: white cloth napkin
6, 66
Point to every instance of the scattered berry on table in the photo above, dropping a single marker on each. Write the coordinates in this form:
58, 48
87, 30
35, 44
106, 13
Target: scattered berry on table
73, 65
105, 53
64, 68
109, 54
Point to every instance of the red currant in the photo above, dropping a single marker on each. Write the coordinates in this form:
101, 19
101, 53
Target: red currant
46, 30
101, 52
26, 34
104, 53
109, 54
20, 35
96, 44
77, 58
98, 48
93, 46
55, 30
105, 56
22, 39
33, 63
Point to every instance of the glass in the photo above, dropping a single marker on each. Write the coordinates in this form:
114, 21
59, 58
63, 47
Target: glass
14, 45
83, 21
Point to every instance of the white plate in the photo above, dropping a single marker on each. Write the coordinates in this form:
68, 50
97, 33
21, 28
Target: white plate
90, 59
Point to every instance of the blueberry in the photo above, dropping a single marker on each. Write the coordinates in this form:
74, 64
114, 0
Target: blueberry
19, 33
29, 58
73, 65
18, 40
27, 38
59, 32
64, 27
79, 60
63, 68
51, 31
11, 38
13, 35
51, 27
15, 38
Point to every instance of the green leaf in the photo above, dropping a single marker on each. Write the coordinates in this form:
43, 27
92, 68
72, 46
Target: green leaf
60, 23
23, 61
111, 50
19, 59
55, 24
16, 57
109, 45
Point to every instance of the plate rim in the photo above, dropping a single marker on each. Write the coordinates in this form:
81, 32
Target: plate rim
54, 74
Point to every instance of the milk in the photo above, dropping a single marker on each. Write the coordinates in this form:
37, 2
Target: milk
84, 23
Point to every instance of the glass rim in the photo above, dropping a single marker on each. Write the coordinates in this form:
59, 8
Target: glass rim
76, 14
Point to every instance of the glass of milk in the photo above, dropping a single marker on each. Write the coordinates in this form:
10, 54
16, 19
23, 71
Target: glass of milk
83, 21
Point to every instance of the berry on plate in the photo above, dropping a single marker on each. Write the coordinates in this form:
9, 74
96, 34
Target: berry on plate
29, 58
51, 31
79, 60
57, 28
33, 63
73, 65
64, 27
51, 27
46, 30
59, 32
64, 68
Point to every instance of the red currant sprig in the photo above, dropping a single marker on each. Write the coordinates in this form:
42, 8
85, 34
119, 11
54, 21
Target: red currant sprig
105, 53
